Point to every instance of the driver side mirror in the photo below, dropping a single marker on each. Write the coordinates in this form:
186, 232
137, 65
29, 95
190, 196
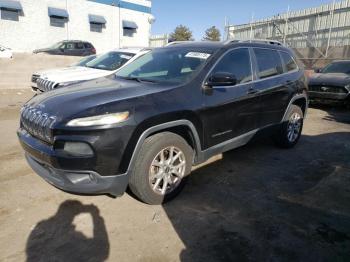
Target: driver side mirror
317, 70
222, 79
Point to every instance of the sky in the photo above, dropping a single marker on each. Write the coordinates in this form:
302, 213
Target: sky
199, 15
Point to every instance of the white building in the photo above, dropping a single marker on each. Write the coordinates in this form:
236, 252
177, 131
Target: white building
26, 25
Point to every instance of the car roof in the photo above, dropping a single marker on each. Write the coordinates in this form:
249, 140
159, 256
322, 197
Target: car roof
210, 45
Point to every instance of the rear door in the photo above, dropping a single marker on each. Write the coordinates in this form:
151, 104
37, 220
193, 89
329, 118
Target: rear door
231, 111
272, 85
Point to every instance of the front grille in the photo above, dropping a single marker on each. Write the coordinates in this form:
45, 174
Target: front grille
45, 85
329, 89
37, 123
35, 78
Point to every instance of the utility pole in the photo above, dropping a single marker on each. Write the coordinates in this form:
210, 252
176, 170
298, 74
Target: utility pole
286, 27
67, 24
330, 29
251, 27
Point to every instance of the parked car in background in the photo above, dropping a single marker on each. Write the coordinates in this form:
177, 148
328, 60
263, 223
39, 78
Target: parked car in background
172, 108
5, 52
103, 65
38, 74
331, 84
69, 48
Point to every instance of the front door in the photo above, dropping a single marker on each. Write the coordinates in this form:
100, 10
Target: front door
231, 111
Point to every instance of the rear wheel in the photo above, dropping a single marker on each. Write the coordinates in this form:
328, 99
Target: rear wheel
161, 167
290, 131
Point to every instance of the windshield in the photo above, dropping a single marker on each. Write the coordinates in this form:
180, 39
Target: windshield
110, 61
166, 65
56, 46
85, 60
340, 67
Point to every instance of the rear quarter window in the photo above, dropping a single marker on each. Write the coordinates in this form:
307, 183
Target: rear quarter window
288, 62
269, 62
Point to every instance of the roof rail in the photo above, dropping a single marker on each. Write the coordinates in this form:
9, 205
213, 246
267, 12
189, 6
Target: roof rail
263, 41
178, 42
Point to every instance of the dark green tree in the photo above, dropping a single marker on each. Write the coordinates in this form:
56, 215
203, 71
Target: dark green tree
212, 34
181, 33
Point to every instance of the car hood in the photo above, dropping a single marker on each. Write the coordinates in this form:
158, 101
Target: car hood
41, 50
100, 96
75, 73
336, 79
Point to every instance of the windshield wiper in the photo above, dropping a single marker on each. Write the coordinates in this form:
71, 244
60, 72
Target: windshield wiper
140, 80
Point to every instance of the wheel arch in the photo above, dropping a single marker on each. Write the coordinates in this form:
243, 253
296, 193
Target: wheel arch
183, 127
300, 100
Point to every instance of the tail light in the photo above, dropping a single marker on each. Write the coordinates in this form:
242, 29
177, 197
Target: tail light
93, 50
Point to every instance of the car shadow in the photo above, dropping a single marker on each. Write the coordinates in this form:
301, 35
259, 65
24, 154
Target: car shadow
57, 239
337, 113
261, 203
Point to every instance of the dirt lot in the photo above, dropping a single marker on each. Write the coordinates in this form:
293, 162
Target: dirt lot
258, 203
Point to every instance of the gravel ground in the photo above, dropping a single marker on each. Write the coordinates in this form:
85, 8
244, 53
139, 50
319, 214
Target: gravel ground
258, 203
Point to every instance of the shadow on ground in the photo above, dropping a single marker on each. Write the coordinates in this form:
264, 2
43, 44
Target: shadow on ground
260, 203
56, 239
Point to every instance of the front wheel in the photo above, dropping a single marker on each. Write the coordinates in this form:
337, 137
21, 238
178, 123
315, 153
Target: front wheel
161, 167
290, 130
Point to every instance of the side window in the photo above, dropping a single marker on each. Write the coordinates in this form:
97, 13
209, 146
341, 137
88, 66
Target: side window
87, 45
269, 62
79, 46
236, 62
288, 62
70, 46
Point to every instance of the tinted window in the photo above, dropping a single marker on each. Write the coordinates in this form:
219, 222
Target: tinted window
69, 46
338, 67
96, 27
237, 62
57, 22
79, 46
288, 61
269, 62
87, 45
9, 15
173, 65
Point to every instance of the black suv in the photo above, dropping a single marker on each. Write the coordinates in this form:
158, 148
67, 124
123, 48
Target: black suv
69, 48
331, 85
172, 108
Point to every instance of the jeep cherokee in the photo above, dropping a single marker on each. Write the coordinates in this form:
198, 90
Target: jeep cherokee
172, 108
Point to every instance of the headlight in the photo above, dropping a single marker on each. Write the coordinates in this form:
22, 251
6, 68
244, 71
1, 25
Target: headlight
347, 87
101, 120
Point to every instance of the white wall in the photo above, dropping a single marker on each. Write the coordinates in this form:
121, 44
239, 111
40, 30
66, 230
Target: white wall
33, 29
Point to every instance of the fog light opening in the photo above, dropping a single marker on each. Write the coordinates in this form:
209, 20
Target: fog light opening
78, 149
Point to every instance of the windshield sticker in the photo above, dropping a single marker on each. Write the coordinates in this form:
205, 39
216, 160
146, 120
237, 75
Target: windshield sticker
198, 55
126, 57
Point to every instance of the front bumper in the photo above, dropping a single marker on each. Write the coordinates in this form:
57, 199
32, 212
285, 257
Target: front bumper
81, 182
328, 97
82, 175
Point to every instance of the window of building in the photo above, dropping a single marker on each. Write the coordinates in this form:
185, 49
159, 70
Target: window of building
129, 28
129, 32
58, 17
288, 61
236, 62
11, 15
269, 62
58, 21
96, 27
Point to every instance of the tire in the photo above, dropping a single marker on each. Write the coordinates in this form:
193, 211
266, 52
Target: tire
149, 168
290, 131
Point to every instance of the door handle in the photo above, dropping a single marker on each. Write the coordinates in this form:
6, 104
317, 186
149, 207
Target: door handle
252, 91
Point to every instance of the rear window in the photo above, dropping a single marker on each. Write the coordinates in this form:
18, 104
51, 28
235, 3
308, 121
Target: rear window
269, 63
288, 62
